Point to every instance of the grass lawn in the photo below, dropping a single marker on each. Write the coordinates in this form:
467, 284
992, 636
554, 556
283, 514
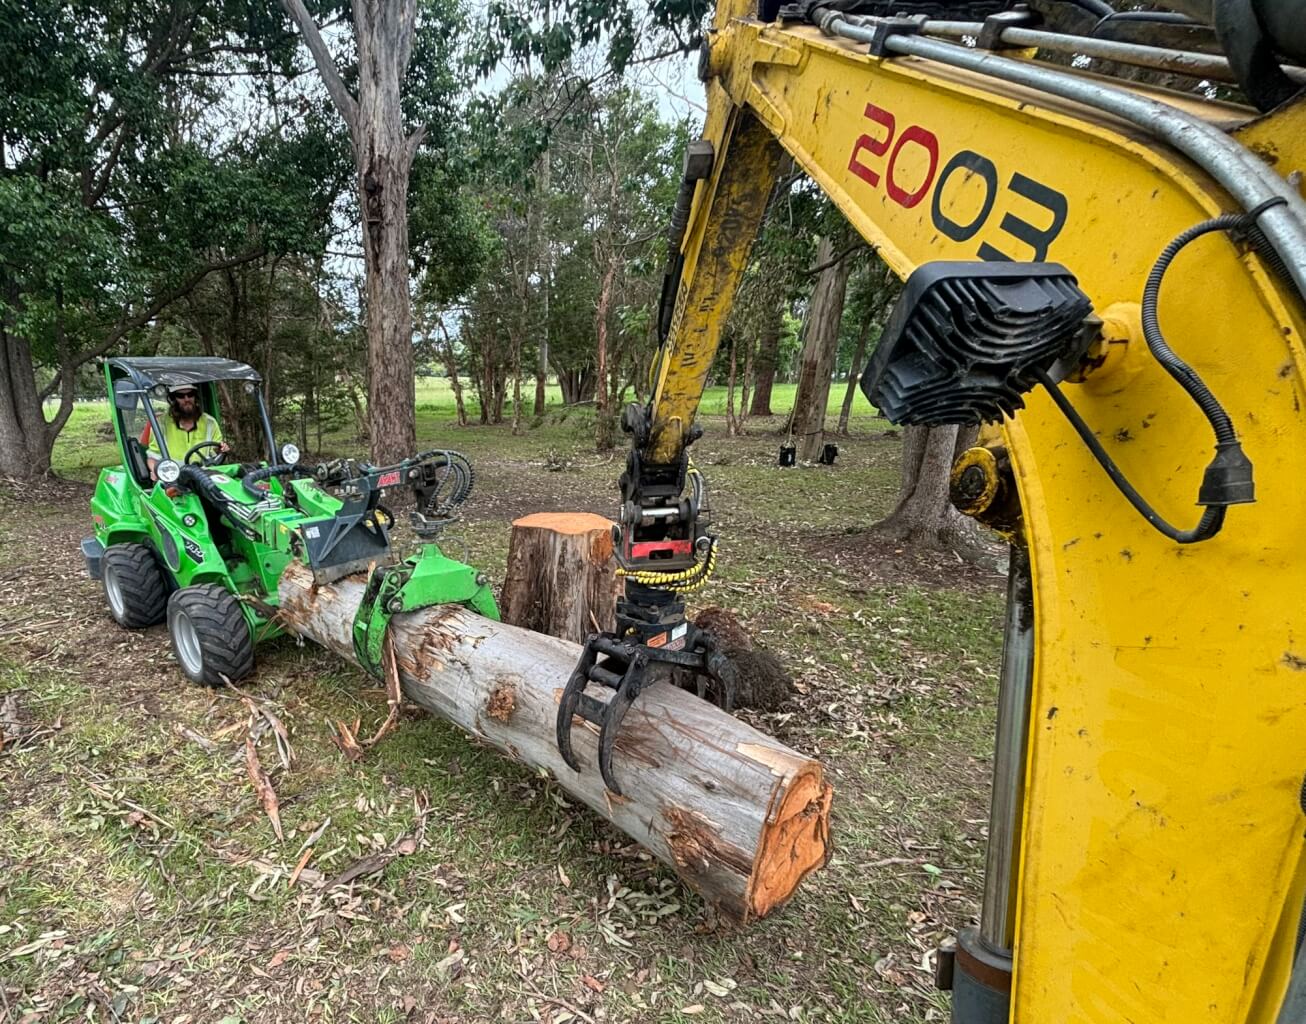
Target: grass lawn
141, 881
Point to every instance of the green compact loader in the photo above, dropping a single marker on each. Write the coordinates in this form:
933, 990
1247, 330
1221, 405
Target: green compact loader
201, 539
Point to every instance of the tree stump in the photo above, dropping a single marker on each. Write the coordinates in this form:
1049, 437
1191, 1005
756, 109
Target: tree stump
561, 577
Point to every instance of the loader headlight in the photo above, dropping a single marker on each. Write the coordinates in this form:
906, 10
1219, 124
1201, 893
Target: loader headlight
168, 471
290, 454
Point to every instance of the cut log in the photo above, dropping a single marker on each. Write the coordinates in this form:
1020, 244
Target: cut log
740, 817
561, 576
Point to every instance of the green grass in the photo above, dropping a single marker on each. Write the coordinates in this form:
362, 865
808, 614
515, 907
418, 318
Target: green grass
897, 676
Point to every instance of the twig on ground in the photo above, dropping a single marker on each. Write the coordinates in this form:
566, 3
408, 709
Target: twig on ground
263, 788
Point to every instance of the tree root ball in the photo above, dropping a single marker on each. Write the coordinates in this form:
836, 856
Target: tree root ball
762, 683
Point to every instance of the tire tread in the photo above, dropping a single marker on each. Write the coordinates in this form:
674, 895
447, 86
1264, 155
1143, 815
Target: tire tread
223, 633
144, 590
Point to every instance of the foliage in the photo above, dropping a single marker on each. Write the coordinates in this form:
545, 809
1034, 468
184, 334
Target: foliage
610, 168
554, 31
128, 174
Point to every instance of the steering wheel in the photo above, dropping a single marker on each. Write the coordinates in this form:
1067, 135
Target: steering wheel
204, 461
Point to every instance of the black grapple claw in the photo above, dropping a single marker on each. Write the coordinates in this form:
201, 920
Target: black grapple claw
623, 668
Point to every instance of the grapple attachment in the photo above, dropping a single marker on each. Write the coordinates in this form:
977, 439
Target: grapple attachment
625, 666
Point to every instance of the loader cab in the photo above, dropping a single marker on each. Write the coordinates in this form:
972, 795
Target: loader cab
139, 388
139, 413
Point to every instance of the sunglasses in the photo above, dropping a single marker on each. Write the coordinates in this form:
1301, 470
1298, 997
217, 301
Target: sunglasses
185, 394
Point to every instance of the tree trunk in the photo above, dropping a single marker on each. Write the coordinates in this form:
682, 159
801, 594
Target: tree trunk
732, 424
546, 277
26, 440
924, 516
481, 384
383, 156
743, 391
561, 576
768, 356
516, 385
807, 423
451, 367
740, 818
383, 163
605, 426
855, 370
577, 386
500, 379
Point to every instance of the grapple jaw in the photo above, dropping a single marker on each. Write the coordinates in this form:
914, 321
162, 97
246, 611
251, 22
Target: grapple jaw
625, 667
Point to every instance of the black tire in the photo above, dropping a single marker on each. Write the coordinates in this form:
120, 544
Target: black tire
210, 637
134, 587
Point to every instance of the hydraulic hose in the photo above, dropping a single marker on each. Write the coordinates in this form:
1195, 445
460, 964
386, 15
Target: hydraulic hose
198, 481
257, 476
1098, 8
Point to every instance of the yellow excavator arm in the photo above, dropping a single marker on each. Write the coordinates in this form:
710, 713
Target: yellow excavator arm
1147, 846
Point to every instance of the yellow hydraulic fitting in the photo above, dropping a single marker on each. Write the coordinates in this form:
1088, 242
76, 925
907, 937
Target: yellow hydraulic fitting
1118, 354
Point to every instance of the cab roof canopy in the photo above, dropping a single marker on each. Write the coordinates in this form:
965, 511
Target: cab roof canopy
146, 371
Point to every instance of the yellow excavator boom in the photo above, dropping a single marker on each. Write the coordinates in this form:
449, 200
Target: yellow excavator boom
1156, 869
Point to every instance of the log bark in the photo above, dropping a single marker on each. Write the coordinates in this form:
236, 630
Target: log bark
561, 577
741, 818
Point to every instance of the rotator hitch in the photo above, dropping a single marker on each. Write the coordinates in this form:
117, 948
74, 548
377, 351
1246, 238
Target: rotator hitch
663, 552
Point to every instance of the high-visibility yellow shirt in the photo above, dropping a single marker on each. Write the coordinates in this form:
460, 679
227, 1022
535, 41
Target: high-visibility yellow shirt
181, 441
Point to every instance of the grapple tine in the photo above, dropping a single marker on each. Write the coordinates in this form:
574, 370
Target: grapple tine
570, 701
613, 716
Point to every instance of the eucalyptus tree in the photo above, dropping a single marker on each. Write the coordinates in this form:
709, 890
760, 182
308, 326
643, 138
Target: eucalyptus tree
396, 87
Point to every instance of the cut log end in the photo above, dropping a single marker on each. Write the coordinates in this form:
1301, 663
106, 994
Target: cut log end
795, 842
564, 522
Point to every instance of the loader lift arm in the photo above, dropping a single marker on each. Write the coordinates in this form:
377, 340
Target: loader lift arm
1146, 854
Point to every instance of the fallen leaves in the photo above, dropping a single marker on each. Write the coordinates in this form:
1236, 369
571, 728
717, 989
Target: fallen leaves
452, 964
279, 732
345, 736
52, 938
404, 846
201, 741
306, 850
14, 732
